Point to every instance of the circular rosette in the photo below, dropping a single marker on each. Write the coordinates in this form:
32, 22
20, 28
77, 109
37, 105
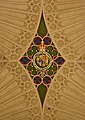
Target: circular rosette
37, 40
47, 40
37, 79
42, 60
47, 80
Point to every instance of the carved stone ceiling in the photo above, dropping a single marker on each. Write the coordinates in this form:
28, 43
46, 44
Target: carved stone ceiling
42, 59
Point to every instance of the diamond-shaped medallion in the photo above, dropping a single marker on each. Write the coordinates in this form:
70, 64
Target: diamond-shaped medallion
42, 60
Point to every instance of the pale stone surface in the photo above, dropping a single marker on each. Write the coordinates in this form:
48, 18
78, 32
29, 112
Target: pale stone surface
65, 21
